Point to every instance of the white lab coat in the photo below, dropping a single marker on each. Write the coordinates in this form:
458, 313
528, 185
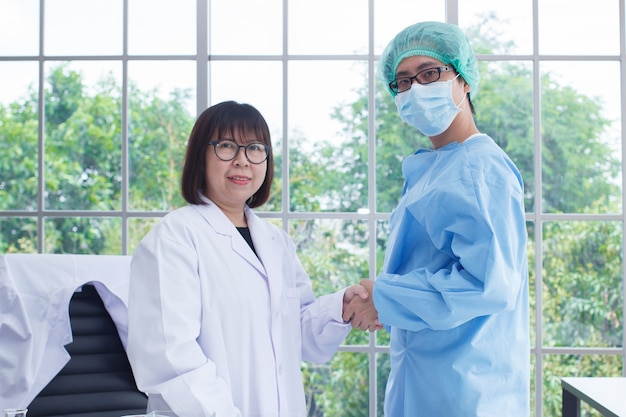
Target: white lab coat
35, 292
214, 328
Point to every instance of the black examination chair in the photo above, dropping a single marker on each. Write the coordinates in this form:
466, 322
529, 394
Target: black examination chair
98, 380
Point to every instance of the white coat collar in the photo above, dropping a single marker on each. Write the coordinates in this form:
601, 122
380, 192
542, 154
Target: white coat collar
216, 218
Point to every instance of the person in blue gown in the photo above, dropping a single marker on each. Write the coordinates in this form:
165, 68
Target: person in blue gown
453, 291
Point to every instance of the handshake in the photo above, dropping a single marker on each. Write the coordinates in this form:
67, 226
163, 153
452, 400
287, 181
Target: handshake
358, 306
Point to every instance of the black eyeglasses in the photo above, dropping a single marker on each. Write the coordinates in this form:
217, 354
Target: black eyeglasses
427, 76
227, 150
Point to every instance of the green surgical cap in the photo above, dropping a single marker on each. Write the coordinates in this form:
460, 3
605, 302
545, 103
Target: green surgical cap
442, 41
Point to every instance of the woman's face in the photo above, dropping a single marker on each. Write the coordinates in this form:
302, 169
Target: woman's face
229, 184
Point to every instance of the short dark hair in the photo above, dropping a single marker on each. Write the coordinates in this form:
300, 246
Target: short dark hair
469, 100
224, 120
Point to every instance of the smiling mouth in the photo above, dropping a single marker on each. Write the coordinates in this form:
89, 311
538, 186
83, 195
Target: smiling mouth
240, 180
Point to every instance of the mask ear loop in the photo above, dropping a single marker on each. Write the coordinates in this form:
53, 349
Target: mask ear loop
464, 95
461, 102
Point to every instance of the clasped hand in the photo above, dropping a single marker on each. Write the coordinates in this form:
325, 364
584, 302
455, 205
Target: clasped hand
358, 306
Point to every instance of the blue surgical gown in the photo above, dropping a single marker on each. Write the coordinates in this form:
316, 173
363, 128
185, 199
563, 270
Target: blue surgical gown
453, 292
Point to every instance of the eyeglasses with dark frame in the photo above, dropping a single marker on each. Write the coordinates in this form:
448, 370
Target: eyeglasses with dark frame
427, 76
227, 150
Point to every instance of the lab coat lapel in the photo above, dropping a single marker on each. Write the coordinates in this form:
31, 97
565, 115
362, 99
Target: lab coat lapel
270, 251
222, 225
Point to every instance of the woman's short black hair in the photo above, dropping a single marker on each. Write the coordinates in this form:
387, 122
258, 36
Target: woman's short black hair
228, 119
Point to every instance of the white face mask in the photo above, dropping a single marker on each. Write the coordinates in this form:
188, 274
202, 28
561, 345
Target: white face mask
429, 108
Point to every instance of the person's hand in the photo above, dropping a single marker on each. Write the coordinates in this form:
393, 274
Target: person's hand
355, 291
359, 308
368, 284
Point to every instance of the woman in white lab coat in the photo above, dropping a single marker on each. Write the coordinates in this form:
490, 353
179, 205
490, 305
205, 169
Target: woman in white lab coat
221, 312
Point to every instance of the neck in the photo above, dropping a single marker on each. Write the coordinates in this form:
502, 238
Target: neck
237, 216
238, 219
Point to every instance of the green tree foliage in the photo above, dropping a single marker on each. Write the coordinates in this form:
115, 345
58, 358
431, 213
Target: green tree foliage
582, 303
18, 142
82, 144
158, 133
83, 160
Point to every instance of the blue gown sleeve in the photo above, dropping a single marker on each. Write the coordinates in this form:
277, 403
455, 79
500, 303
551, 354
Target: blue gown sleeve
471, 259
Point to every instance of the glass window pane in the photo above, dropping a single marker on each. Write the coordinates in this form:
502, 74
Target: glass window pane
78, 27
567, 27
383, 368
83, 235
337, 386
391, 16
18, 136
328, 148
532, 280
165, 80
19, 27
581, 137
83, 160
332, 251
18, 235
161, 27
162, 112
258, 83
382, 234
533, 385
328, 27
138, 228
274, 203
504, 111
249, 27
18, 83
506, 27
582, 284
